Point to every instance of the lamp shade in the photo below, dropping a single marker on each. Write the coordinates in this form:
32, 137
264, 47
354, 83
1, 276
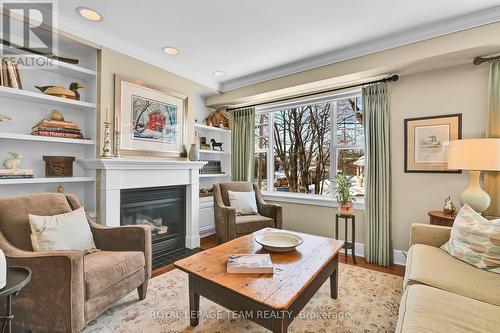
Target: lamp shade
474, 154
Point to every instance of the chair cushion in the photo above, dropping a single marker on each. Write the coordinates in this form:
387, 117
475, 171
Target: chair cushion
68, 231
235, 187
427, 309
434, 267
246, 224
14, 223
105, 268
244, 202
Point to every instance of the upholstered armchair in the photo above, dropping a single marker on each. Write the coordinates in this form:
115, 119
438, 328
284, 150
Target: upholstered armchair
229, 225
68, 289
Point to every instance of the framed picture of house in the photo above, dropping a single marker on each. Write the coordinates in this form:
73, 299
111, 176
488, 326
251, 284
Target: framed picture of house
427, 141
151, 119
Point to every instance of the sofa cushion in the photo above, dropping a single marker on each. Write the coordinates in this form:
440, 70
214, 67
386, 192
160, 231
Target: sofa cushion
106, 268
475, 240
434, 267
244, 202
427, 309
246, 224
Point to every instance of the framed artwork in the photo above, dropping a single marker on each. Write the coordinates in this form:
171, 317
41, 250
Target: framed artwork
151, 119
427, 140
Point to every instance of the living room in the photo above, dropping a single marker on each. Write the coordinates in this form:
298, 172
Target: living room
229, 167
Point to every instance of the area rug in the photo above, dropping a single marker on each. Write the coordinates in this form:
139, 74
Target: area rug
368, 302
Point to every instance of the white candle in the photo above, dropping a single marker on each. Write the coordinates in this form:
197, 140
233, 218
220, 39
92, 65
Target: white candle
107, 113
116, 122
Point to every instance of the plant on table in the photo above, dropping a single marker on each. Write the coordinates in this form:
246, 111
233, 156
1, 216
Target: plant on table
342, 193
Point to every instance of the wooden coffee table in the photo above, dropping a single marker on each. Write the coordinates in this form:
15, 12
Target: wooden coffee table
271, 300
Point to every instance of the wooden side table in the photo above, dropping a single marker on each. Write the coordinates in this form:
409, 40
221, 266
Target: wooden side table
347, 245
438, 217
17, 278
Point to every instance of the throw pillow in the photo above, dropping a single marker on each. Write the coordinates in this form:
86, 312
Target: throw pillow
244, 202
475, 240
68, 231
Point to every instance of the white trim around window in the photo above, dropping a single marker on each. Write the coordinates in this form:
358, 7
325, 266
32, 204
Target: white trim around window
306, 199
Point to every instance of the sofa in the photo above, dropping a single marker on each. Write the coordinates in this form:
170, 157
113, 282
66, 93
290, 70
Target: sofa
229, 225
68, 289
442, 293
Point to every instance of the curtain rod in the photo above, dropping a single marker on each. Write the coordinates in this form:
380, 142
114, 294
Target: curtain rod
394, 77
480, 60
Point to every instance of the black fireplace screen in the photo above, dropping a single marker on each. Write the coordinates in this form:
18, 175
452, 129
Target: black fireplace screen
163, 209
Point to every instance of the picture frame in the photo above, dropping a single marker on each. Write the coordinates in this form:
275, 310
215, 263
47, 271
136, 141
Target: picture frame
426, 141
151, 119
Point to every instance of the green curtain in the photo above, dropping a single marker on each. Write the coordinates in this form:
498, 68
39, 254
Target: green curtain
243, 143
378, 230
492, 179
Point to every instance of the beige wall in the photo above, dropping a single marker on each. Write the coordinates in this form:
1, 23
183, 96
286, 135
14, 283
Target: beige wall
112, 62
460, 89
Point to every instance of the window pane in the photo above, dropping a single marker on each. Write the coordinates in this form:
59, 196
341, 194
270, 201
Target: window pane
261, 132
351, 162
261, 170
302, 138
349, 122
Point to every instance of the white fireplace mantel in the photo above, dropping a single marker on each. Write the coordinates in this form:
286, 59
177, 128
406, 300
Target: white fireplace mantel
116, 174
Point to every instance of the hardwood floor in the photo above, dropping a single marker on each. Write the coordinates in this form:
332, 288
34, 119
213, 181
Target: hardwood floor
211, 241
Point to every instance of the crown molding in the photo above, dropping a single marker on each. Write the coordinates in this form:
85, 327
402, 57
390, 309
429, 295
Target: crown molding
477, 19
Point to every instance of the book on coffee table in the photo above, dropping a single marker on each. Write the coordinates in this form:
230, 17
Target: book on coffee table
249, 263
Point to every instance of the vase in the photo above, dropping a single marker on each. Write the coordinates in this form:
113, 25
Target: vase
194, 153
345, 208
3, 270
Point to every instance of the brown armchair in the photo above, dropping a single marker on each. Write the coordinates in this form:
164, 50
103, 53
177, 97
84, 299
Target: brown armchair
69, 289
228, 225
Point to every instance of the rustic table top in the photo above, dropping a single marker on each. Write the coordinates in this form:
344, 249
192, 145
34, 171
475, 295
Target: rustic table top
293, 270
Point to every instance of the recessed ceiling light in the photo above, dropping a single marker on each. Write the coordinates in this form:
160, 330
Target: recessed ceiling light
219, 73
170, 50
89, 14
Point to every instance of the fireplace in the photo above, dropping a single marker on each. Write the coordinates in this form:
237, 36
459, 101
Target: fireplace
164, 210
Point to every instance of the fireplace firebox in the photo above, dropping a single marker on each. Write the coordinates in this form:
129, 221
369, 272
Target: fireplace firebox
164, 210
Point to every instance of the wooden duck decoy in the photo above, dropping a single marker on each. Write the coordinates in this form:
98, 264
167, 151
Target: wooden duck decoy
62, 92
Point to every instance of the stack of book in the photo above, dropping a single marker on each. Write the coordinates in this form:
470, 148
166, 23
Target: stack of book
16, 173
10, 75
212, 167
61, 129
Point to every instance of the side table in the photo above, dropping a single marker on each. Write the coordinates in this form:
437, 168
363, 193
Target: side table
437, 217
347, 245
17, 278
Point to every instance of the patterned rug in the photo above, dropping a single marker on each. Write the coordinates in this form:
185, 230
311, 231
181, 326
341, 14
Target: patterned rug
368, 302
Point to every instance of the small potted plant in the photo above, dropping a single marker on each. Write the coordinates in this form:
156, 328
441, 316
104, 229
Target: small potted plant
342, 194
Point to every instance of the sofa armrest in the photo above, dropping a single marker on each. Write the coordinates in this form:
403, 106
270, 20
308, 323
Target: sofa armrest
124, 238
56, 290
433, 235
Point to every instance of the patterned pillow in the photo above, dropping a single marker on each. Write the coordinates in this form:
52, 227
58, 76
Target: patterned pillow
68, 231
475, 240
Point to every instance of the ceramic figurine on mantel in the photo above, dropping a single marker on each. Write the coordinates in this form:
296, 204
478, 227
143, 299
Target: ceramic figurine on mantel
449, 206
106, 148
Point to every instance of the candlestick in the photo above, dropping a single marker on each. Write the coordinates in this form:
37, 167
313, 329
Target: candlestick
116, 144
106, 148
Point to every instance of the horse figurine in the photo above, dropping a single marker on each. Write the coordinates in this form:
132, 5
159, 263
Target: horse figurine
216, 144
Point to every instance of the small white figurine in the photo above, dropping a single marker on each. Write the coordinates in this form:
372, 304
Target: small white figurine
12, 162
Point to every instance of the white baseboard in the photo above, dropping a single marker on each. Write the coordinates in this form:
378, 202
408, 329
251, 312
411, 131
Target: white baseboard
207, 230
399, 255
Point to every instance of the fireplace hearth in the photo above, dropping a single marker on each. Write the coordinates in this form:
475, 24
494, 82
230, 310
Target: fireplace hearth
164, 210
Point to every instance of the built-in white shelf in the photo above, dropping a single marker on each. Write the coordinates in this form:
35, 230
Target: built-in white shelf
206, 151
63, 68
212, 128
30, 96
47, 180
28, 137
214, 175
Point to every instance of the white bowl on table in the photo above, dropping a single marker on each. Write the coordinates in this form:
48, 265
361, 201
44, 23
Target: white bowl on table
278, 241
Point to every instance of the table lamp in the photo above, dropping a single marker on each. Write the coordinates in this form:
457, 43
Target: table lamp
475, 155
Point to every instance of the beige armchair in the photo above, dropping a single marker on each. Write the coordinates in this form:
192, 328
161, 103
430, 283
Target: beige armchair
69, 289
228, 225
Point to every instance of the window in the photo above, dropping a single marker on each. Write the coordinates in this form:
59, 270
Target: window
299, 147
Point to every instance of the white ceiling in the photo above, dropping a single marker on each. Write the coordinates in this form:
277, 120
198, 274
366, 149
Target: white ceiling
256, 40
